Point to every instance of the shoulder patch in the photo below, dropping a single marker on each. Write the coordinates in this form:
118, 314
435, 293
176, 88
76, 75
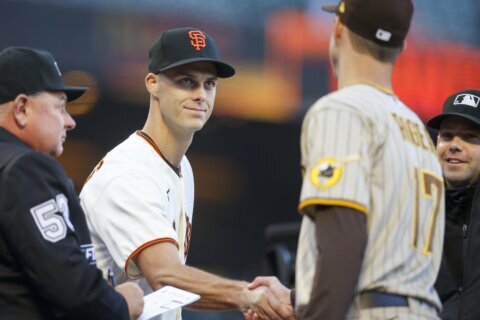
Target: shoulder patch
325, 173
328, 171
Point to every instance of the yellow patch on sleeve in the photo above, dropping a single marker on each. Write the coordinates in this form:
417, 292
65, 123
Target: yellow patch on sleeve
326, 173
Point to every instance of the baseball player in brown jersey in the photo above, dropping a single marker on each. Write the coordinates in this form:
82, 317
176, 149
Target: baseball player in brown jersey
372, 197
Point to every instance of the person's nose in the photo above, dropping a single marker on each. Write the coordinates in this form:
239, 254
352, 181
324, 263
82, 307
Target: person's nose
455, 144
69, 122
200, 94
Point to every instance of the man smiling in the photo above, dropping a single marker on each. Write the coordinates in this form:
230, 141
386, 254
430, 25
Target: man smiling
458, 148
139, 199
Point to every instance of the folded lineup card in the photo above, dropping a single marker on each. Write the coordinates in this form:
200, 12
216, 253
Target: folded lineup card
166, 299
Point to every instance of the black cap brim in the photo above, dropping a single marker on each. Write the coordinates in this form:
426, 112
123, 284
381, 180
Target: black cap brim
223, 70
436, 122
72, 93
330, 8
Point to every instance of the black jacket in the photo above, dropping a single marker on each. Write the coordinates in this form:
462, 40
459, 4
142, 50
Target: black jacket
47, 261
458, 282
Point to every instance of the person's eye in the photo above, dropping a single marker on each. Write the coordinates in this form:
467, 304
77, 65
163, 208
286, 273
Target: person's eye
445, 136
186, 81
473, 138
210, 84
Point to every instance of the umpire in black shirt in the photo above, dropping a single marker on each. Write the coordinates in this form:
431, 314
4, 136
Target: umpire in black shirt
458, 148
47, 261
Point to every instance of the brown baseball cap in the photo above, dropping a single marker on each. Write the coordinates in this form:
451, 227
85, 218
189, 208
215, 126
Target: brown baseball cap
176, 47
385, 22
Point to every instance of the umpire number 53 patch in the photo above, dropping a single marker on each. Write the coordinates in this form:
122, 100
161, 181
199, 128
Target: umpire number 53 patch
52, 226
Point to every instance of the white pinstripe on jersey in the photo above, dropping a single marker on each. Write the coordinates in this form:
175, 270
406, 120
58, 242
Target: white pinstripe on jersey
363, 148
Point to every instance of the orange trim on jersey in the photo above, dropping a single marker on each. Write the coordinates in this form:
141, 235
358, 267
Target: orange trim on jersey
332, 202
150, 141
97, 167
144, 246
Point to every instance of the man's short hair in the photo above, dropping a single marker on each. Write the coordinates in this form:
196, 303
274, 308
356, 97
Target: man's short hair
378, 52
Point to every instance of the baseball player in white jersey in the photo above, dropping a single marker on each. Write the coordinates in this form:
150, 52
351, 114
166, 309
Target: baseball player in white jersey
124, 179
372, 195
139, 198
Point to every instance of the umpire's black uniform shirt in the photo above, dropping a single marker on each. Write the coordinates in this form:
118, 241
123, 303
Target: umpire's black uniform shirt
47, 262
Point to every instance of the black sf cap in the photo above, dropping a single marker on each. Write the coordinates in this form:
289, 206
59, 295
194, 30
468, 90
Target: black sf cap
28, 71
385, 22
177, 47
464, 104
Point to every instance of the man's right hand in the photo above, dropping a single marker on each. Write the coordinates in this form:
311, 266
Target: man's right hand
133, 294
267, 302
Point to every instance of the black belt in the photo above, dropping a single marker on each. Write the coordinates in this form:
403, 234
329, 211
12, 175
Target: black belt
376, 299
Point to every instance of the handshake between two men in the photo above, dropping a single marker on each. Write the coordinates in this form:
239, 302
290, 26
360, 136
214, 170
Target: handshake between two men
270, 299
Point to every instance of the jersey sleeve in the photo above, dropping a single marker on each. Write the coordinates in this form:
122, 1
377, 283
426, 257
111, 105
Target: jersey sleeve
129, 216
332, 243
337, 146
45, 228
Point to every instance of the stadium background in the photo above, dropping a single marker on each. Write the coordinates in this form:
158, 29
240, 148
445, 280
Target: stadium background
246, 159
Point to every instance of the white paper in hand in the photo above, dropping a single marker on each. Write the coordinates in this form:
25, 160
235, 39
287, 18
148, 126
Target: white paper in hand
166, 299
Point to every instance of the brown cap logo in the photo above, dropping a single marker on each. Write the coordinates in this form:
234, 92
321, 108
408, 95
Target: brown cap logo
197, 39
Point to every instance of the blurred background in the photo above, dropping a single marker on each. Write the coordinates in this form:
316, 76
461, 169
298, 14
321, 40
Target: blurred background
246, 159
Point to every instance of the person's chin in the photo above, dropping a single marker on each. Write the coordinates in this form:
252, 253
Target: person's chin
196, 124
198, 128
57, 152
456, 181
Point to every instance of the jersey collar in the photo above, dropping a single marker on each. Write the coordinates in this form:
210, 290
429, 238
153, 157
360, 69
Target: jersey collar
376, 86
150, 141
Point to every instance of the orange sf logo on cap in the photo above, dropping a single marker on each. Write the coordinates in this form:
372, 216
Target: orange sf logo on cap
197, 39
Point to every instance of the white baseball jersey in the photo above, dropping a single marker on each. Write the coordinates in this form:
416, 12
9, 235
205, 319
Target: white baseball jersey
364, 149
134, 199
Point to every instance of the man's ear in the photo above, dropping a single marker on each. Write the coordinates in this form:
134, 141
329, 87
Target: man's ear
338, 28
151, 82
20, 106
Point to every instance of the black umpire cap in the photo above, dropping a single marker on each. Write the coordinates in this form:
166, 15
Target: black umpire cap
464, 104
28, 71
